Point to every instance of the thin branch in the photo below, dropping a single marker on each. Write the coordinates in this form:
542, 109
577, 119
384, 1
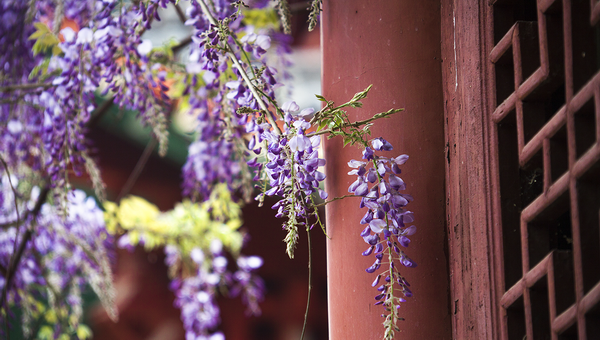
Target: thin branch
243, 73
309, 282
100, 111
183, 43
135, 174
180, 13
10, 88
12, 187
355, 124
334, 199
14, 263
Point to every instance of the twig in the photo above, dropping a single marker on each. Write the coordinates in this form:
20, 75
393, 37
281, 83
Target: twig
138, 169
355, 124
12, 187
183, 43
100, 111
243, 73
10, 88
12, 268
183, 19
309, 281
180, 13
334, 199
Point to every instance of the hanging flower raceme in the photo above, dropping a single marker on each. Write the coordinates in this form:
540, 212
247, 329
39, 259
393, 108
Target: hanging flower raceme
292, 172
63, 255
387, 221
212, 157
197, 239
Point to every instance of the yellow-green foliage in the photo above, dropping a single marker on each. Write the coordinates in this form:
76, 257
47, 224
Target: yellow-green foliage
188, 226
44, 39
261, 18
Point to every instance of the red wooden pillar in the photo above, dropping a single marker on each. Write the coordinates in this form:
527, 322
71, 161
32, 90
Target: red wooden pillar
394, 45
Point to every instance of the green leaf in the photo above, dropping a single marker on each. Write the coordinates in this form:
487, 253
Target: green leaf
322, 124
41, 30
338, 120
361, 95
347, 140
44, 40
40, 69
321, 98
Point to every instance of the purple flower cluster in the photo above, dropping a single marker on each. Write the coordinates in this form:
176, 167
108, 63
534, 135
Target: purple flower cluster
247, 284
387, 218
63, 254
68, 106
16, 61
21, 127
196, 293
215, 156
292, 170
48, 123
124, 63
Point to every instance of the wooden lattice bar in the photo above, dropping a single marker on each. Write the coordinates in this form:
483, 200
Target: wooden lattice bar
545, 133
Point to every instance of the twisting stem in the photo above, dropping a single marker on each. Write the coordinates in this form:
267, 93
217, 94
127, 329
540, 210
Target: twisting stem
183, 43
180, 13
100, 111
12, 187
309, 281
138, 169
14, 263
243, 73
334, 199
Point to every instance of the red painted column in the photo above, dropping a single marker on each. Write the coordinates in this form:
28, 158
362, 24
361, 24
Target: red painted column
394, 45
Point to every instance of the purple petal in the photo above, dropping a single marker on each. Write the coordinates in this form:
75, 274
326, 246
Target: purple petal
376, 282
377, 225
404, 241
361, 190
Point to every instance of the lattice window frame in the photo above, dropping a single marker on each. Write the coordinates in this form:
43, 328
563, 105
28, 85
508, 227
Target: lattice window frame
480, 299
532, 275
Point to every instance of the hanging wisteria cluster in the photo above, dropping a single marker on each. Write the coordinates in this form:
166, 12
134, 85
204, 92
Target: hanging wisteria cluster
62, 55
386, 219
197, 239
57, 257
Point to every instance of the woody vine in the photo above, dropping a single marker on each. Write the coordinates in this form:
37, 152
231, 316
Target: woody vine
60, 55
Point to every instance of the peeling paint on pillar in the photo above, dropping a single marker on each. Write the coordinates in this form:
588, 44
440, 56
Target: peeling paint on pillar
394, 45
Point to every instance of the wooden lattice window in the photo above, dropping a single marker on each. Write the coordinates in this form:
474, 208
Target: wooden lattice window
544, 102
